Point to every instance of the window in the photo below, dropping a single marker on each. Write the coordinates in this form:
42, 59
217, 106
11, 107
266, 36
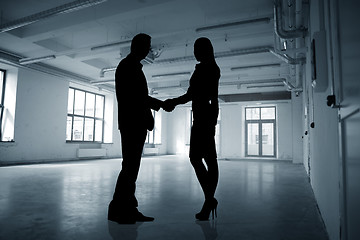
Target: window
260, 131
154, 136
2, 95
85, 118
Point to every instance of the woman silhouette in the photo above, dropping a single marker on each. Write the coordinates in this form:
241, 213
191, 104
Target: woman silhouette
203, 92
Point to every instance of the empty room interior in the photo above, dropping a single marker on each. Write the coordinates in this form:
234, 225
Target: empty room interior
287, 135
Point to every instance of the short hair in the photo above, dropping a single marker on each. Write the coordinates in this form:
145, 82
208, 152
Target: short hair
140, 40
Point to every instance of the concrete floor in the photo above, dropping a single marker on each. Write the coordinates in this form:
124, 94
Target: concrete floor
257, 200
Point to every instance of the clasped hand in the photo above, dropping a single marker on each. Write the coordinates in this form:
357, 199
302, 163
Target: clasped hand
169, 105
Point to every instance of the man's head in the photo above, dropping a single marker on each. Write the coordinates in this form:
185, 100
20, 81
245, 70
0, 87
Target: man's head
140, 45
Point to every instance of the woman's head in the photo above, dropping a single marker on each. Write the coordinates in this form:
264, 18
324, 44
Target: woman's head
203, 50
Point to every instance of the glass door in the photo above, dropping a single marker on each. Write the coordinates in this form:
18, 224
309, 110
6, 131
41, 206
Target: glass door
260, 132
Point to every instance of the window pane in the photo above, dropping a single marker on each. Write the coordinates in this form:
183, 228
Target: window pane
71, 101
98, 130
157, 128
1, 84
252, 113
89, 129
99, 106
79, 102
90, 104
147, 137
151, 137
253, 139
78, 129
267, 139
68, 128
268, 113
1, 92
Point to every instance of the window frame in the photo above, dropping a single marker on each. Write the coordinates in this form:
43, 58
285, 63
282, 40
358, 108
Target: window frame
150, 135
84, 117
260, 121
2, 100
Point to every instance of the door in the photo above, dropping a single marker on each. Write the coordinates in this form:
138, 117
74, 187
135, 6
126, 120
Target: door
260, 132
347, 91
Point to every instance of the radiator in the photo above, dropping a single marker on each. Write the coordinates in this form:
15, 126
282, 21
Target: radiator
87, 153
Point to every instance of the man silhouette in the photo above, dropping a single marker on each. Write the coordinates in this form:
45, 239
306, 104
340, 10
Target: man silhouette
134, 119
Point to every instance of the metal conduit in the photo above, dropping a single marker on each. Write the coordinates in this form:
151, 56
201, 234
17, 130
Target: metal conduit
278, 24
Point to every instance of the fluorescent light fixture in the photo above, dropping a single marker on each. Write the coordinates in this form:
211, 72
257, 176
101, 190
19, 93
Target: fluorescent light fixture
65, 8
111, 45
24, 61
255, 67
233, 24
171, 74
265, 86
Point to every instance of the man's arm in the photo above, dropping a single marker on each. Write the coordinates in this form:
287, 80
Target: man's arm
154, 103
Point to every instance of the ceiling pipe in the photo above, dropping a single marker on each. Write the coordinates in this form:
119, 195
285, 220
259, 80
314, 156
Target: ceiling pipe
291, 87
270, 65
99, 82
111, 45
278, 24
233, 53
231, 83
108, 69
233, 24
171, 74
265, 86
13, 60
65, 8
286, 58
260, 81
24, 61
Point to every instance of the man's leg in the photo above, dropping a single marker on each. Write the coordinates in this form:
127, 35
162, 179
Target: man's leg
124, 202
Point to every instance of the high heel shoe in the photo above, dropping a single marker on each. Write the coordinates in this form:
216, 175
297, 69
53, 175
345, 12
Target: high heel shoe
210, 206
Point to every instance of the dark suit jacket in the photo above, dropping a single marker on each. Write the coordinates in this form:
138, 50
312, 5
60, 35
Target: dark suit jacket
134, 102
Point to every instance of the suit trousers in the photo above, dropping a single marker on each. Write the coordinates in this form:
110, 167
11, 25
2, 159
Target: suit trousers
132, 141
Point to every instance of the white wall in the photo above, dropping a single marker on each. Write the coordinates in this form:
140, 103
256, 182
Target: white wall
323, 139
232, 146
40, 122
232, 130
177, 132
297, 128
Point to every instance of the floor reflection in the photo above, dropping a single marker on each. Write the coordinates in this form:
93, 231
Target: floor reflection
209, 229
123, 231
257, 200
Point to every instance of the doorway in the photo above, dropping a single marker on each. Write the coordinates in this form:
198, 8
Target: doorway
260, 131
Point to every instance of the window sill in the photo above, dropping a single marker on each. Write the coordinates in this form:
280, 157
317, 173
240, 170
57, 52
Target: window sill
8, 143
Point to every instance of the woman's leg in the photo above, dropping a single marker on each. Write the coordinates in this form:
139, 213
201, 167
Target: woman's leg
212, 176
201, 173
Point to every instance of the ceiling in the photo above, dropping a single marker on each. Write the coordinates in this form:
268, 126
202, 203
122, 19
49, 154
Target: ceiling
87, 42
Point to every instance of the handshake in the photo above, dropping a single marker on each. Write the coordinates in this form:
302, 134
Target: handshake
169, 105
